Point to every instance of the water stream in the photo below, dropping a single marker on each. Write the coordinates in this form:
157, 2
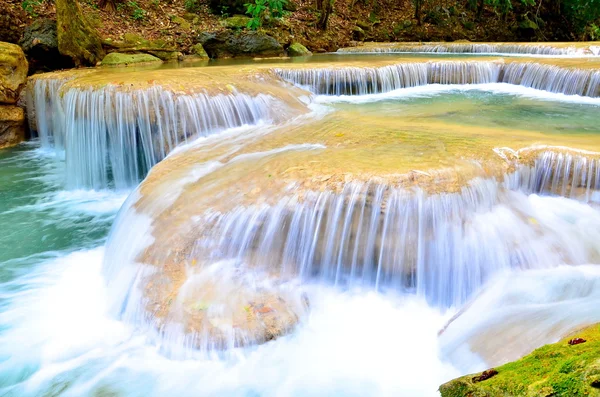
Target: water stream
374, 230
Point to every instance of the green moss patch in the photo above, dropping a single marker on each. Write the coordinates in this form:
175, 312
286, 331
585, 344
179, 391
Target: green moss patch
118, 59
298, 50
557, 370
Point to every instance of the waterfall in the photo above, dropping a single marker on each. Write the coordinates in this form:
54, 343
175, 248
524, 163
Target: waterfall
553, 78
472, 48
442, 246
115, 136
44, 111
372, 80
569, 174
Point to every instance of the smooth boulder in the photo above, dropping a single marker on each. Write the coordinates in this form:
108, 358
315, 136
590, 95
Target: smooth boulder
13, 72
228, 43
12, 125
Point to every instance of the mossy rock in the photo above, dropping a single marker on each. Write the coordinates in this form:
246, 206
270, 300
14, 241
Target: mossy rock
527, 24
236, 22
557, 370
199, 51
165, 55
134, 38
77, 39
118, 59
13, 72
181, 22
358, 34
364, 25
298, 50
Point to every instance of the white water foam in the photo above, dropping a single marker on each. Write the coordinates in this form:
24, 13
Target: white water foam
352, 344
521, 311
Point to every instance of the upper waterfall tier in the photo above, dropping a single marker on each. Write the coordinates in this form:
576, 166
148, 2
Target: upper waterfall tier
549, 49
361, 80
114, 126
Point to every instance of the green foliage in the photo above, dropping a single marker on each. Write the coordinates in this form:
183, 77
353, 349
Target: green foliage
137, 13
260, 9
594, 31
583, 14
191, 5
504, 6
30, 5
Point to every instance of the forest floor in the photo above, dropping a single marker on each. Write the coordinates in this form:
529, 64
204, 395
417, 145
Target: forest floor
383, 20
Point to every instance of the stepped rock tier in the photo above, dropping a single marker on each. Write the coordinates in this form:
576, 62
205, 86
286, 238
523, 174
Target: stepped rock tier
528, 49
289, 185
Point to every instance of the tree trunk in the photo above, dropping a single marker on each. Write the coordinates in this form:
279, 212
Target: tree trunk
108, 5
480, 9
418, 11
76, 38
326, 9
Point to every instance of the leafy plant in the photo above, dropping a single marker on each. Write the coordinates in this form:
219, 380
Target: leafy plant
137, 13
594, 31
224, 13
260, 9
29, 6
191, 5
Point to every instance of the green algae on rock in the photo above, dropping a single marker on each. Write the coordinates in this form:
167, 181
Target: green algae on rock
559, 370
236, 22
199, 51
118, 59
76, 38
298, 50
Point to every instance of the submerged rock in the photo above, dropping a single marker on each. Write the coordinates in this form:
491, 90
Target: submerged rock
118, 59
559, 369
12, 126
298, 50
13, 72
234, 44
40, 43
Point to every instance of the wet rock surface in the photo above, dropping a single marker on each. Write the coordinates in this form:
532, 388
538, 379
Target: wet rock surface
12, 126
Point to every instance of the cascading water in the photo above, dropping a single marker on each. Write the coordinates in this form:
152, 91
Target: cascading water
474, 48
361, 81
112, 135
295, 234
